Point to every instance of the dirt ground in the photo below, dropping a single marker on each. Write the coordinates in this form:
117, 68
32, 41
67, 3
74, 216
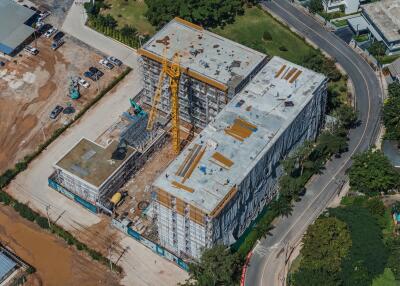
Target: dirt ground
31, 86
30, 243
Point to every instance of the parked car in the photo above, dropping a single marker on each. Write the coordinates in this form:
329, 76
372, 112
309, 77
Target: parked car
92, 76
44, 28
56, 44
96, 71
82, 82
50, 32
106, 63
58, 36
43, 15
114, 61
31, 50
2, 64
56, 111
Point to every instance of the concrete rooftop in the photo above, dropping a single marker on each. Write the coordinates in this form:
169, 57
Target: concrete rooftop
13, 31
242, 132
205, 53
386, 16
92, 162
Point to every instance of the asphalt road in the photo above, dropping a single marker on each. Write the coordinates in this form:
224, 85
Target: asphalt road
267, 263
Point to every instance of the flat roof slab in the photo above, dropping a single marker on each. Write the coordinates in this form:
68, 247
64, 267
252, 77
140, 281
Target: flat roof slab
91, 162
386, 16
205, 53
13, 31
227, 149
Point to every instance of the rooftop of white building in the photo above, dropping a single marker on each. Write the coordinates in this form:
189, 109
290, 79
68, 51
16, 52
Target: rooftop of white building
386, 16
205, 53
219, 158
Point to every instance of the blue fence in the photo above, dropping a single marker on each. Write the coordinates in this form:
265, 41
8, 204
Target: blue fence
56, 186
150, 244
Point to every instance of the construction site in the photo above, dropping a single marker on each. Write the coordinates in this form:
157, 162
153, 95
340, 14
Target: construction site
32, 85
195, 158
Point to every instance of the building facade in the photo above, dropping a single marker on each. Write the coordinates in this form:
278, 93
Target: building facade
220, 183
384, 17
213, 69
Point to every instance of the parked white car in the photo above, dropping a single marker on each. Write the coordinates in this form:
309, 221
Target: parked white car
44, 15
50, 32
83, 82
31, 50
106, 63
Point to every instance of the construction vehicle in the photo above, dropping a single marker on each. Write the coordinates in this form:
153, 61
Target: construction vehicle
74, 89
137, 108
172, 70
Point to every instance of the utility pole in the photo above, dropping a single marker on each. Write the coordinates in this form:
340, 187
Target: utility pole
109, 257
47, 213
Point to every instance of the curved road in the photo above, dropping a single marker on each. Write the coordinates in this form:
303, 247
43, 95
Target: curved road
267, 264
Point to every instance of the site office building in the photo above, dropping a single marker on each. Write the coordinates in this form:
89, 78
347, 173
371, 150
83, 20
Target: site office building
220, 182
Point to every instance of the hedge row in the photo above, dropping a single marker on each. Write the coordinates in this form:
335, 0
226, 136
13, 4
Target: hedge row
26, 212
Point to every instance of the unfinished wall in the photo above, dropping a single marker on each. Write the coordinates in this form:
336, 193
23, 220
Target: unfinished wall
260, 183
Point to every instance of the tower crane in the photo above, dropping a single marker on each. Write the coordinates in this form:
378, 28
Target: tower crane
172, 70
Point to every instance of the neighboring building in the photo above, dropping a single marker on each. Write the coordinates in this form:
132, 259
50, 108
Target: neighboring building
394, 69
384, 16
391, 148
15, 26
348, 6
213, 69
91, 173
220, 182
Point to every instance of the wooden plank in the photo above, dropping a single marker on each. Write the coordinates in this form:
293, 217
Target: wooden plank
196, 215
296, 75
222, 159
164, 198
194, 164
280, 71
189, 24
182, 187
224, 201
290, 73
180, 206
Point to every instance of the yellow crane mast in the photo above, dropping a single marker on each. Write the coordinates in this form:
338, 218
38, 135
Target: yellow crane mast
173, 72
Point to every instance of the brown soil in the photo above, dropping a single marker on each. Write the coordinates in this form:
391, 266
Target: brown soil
55, 262
31, 86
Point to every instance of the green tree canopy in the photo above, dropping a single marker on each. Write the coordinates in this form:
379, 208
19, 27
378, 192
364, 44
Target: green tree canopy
346, 115
372, 173
208, 13
391, 114
217, 266
315, 6
326, 243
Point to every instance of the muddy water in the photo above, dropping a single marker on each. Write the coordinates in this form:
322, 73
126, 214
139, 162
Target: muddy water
56, 263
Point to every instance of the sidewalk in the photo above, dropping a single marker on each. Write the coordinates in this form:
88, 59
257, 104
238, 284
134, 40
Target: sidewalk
74, 25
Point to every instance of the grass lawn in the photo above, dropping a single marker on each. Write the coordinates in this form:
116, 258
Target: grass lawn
249, 29
130, 12
386, 279
340, 23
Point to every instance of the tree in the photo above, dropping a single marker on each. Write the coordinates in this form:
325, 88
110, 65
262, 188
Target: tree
372, 173
208, 13
315, 6
330, 144
346, 115
217, 266
391, 114
377, 49
326, 243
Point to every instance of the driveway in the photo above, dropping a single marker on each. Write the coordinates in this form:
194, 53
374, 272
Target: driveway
268, 262
74, 25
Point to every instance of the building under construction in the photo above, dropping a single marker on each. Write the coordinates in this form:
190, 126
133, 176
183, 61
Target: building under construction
213, 69
220, 183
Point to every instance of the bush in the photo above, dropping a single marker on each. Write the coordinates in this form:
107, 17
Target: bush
42, 222
267, 36
283, 49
